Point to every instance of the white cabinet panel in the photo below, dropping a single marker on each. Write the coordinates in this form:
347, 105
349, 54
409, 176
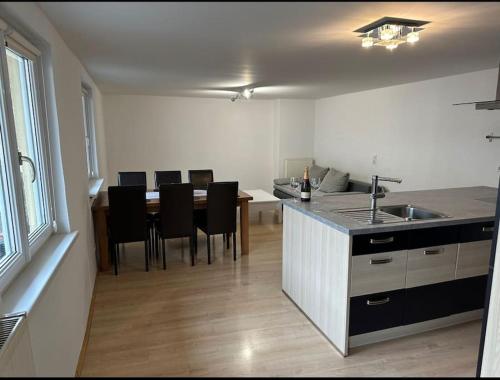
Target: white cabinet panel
316, 273
431, 265
473, 258
378, 272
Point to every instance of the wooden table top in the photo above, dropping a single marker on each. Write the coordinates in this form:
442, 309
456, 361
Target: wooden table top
102, 203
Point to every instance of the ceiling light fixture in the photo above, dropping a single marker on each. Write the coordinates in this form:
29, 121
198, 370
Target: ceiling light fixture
390, 32
246, 94
412, 37
367, 42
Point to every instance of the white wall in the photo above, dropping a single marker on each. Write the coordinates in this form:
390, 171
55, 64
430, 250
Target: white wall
294, 131
57, 321
237, 140
415, 132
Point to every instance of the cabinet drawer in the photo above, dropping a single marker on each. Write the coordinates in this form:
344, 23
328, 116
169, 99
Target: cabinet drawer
381, 242
431, 237
378, 272
469, 294
473, 258
428, 302
431, 265
376, 312
476, 231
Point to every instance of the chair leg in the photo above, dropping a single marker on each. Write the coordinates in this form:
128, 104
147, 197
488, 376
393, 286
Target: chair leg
150, 232
146, 254
227, 240
195, 237
118, 253
157, 244
164, 255
151, 243
191, 250
208, 249
234, 246
115, 249
156, 252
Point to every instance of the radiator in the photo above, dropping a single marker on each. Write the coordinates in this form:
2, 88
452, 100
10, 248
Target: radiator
16, 357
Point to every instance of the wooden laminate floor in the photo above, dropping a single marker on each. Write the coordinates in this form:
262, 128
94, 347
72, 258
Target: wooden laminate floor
231, 319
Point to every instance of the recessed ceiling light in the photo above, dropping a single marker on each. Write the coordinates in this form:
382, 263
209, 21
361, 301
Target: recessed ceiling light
390, 32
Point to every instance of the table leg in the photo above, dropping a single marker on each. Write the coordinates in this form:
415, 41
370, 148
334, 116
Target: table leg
244, 225
101, 238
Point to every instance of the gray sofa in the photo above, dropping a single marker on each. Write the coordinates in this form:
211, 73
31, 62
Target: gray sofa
353, 187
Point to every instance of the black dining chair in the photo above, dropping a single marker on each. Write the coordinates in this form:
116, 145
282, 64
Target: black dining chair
176, 216
127, 219
201, 178
166, 177
132, 179
220, 215
139, 179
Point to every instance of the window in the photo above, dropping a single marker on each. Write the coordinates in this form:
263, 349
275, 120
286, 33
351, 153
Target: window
88, 121
26, 217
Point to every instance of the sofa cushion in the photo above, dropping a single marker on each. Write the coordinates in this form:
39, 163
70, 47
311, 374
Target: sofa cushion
334, 181
316, 171
287, 189
281, 181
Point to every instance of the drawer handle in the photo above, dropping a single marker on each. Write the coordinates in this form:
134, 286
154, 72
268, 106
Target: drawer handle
382, 241
383, 301
380, 261
488, 229
433, 251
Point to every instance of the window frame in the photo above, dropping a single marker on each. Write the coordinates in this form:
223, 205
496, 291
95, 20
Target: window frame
26, 245
89, 130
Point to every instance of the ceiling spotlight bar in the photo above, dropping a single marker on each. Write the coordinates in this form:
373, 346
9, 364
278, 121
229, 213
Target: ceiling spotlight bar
246, 94
390, 32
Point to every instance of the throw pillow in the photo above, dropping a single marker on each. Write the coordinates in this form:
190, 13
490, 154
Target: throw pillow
334, 181
316, 171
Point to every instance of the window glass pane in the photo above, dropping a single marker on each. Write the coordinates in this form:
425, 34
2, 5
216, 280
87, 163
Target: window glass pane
87, 135
7, 245
27, 134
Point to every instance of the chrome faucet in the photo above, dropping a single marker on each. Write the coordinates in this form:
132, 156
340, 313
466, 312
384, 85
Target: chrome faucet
375, 194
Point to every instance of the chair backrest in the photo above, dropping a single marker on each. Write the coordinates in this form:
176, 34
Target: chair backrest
222, 199
176, 210
132, 179
166, 177
127, 213
201, 178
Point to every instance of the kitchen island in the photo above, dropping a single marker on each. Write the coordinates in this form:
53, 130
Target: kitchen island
361, 283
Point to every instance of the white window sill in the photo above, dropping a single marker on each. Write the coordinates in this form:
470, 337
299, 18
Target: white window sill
94, 186
26, 289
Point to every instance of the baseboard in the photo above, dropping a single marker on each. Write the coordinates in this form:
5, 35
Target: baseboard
83, 350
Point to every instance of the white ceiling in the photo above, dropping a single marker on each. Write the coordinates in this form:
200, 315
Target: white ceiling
286, 50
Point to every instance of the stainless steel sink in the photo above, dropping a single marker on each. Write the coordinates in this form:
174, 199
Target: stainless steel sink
412, 212
390, 214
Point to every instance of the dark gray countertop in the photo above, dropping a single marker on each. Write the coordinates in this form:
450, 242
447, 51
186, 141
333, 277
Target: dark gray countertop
463, 205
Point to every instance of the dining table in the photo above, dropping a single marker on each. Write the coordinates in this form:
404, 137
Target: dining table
100, 211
